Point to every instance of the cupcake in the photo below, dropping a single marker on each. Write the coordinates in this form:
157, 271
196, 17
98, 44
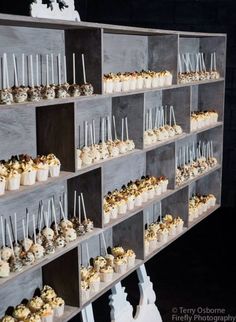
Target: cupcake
46, 313
108, 84
34, 317
58, 305
99, 262
163, 235
118, 251
13, 180
85, 290
110, 260
35, 304
28, 172
8, 318
21, 312
48, 294
152, 239
94, 281
120, 264
106, 274
42, 167
130, 254
54, 165
2, 185
179, 224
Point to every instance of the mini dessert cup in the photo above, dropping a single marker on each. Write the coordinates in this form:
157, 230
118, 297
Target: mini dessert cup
94, 285
28, 178
42, 175
114, 212
146, 247
158, 189
2, 185
130, 203
54, 170
117, 86
85, 294
155, 82
179, 227
58, 306
106, 216
152, 244
172, 230
120, 267
13, 183
144, 196
162, 81
139, 83
131, 261
163, 236
148, 82
138, 201
133, 83
106, 274
125, 85
109, 86
122, 208
168, 79
151, 193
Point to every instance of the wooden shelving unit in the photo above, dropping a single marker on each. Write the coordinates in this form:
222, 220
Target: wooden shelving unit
52, 126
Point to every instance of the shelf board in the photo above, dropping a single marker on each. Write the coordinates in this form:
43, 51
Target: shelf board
165, 142
187, 183
49, 258
203, 216
38, 185
136, 210
69, 313
206, 128
104, 287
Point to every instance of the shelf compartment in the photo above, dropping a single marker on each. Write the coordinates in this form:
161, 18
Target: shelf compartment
161, 162
90, 184
203, 216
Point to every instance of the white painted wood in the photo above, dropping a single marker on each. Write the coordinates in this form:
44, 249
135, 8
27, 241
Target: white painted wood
87, 314
40, 10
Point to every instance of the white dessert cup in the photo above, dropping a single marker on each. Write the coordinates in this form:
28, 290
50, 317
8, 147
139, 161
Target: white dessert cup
104, 87
168, 80
13, 183
85, 295
158, 190
122, 208
172, 231
28, 178
106, 217
2, 187
78, 163
131, 261
146, 248
132, 84
94, 286
163, 238
191, 217
42, 175
130, 204
106, 277
139, 83
48, 318
125, 85
109, 87
155, 82
59, 311
54, 170
117, 86
148, 83
144, 196
179, 227
114, 213
152, 245
138, 201
164, 186
120, 269
151, 193
162, 81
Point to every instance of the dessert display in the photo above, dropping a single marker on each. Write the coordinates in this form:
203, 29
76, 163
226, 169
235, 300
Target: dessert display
41, 308
46, 237
194, 160
160, 129
24, 170
131, 81
200, 119
159, 232
199, 204
107, 147
192, 68
33, 91
101, 269
119, 202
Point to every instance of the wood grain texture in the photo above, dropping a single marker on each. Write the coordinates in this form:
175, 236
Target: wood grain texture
131, 106
162, 54
90, 185
89, 43
55, 133
161, 162
63, 276
130, 235
124, 53
20, 289
17, 132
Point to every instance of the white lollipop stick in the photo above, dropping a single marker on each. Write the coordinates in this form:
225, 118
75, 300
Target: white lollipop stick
214, 55
27, 223
147, 218
47, 76
75, 197
65, 70
41, 217
3, 233
109, 128
79, 202
183, 155
91, 133
212, 153
86, 134
62, 211
37, 70
34, 229
126, 127
187, 154
46, 218
10, 239
211, 66
197, 62
31, 71
65, 205
7, 72
15, 70
104, 242
94, 133
160, 213
54, 216
150, 119
84, 71
88, 257
15, 229
74, 77
24, 236
84, 210
23, 69
114, 125
173, 114
102, 128
180, 64
59, 68
49, 211
3, 73
52, 67
170, 116
122, 130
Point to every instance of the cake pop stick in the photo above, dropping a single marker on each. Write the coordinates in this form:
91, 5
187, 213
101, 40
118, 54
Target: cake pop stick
37, 70
27, 223
79, 203
122, 129
74, 77
212, 153
102, 130
65, 70
10, 240
211, 64
15, 70
7, 72
184, 155
62, 211
24, 235
32, 71
185, 62
59, 68
91, 133
41, 216
83, 205
75, 197
3, 233
189, 62
214, 56
94, 133
12, 229
109, 127
87, 252
23, 69
187, 158
114, 126
84, 71
49, 209
150, 119
52, 67
3, 73
197, 63
147, 218
104, 243
126, 128
34, 229
85, 133
65, 205
54, 215
160, 209
203, 62
180, 64
170, 113
47, 76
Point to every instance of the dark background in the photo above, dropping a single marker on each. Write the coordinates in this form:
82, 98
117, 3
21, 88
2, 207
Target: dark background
198, 269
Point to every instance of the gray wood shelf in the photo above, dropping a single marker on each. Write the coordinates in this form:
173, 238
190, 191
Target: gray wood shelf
52, 126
